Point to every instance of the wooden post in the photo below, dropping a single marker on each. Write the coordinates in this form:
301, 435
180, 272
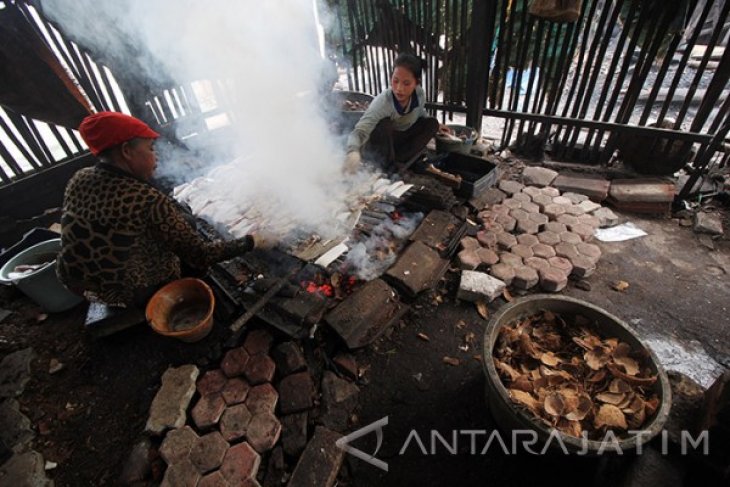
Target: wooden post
483, 17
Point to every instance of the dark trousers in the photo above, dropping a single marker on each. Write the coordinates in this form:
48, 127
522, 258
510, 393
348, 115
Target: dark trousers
391, 146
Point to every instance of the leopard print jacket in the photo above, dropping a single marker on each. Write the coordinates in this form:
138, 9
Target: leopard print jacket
121, 237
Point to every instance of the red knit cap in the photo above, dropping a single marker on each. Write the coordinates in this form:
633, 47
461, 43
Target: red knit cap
103, 130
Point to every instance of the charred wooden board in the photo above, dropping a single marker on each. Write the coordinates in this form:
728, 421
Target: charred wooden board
417, 269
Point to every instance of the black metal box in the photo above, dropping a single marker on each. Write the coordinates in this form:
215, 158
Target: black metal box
477, 174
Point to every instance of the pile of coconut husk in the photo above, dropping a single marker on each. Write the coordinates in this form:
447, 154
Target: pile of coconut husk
571, 378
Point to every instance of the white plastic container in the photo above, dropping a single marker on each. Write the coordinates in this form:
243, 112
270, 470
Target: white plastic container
41, 285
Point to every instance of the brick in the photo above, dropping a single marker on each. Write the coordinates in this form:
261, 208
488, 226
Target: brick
512, 203
213, 479
296, 393
258, 342
595, 188
553, 211
550, 191
289, 357
260, 369
466, 243
507, 222
510, 187
510, 259
468, 259
589, 250
240, 464
567, 220
506, 240
234, 422
647, 190
262, 398
487, 256
540, 219
589, 206
211, 381
263, 432
320, 462
208, 451
584, 231
208, 410
177, 444
294, 433
531, 191
522, 197
606, 217
364, 314
537, 263
168, 409
527, 239
575, 198
526, 225
523, 251
582, 266
561, 263
538, 176
475, 286
503, 272
183, 474
518, 214
548, 238
234, 362
553, 279
235, 391
542, 200
347, 364
543, 251
530, 207
556, 227
525, 277
570, 237
589, 220
339, 399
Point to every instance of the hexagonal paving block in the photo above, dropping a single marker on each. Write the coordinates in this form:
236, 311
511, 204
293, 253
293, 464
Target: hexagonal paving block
487, 256
585, 231
207, 453
553, 279
542, 201
503, 272
589, 220
523, 251
262, 398
570, 237
468, 259
208, 410
527, 239
553, 211
211, 381
526, 225
525, 277
183, 474
507, 222
234, 422
562, 264
510, 259
263, 432
260, 369
531, 191
589, 206
177, 444
530, 207
550, 191
522, 197
499, 209
562, 200
487, 238
518, 213
493, 227
537, 263
512, 203
469, 243
574, 210
506, 240
566, 250
556, 227
567, 220
240, 464
234, 362
575, 198
235, 391
582, 266
540, 219
213, 479
548, 238
510, 187
543, 251
258, 341
589, 250
486, 216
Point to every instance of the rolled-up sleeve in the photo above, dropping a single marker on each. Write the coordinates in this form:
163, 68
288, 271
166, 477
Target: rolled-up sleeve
377, 111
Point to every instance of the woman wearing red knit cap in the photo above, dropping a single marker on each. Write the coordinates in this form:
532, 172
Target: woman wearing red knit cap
122, 238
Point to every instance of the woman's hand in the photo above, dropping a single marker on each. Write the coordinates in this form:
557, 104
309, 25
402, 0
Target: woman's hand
445, 130
353, 161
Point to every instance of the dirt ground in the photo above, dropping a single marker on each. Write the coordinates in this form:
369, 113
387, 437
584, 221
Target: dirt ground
89, 415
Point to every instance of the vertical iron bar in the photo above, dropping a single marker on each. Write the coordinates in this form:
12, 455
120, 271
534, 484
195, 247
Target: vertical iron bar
59, 139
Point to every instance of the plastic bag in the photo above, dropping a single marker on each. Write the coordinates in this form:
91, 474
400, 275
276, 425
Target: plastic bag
556, 10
